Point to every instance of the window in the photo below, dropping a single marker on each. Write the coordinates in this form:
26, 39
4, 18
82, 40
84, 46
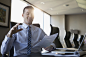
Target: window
17, 10
47, 24
39, 17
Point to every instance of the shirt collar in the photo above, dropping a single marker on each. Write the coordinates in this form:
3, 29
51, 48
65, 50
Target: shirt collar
26, 26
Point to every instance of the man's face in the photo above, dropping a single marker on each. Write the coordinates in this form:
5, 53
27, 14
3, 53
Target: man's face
28, 16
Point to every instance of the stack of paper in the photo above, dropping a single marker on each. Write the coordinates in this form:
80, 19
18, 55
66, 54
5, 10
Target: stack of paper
47, 40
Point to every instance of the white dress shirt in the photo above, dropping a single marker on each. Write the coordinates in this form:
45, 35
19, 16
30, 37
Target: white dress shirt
20, 40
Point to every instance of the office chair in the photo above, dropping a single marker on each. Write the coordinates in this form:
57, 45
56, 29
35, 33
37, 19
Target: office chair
11, 52
76, 43
56, 41
81, 38
83, 55
67, 39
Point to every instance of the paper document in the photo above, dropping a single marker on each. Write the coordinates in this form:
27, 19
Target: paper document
47, 40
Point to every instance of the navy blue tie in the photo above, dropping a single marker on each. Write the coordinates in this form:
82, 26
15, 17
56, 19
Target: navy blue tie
29, 41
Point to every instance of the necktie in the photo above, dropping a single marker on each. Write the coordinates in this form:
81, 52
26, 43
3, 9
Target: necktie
29, 41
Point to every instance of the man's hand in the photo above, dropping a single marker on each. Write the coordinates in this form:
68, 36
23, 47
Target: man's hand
13, 30
50, 48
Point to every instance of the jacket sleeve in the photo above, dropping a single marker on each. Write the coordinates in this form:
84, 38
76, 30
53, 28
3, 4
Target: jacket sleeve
7, 44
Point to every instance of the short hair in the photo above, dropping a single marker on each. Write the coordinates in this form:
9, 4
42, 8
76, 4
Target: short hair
28, 7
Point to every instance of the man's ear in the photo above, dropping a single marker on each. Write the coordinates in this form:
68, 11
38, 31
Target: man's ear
22, 15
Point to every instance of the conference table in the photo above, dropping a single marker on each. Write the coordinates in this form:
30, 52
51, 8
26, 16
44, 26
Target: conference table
59, 55
64, 54
56, 54
50, 54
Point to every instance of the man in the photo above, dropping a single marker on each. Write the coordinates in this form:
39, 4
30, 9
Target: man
24, 37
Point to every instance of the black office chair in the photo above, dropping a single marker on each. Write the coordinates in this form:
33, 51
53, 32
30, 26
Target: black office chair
67, 39
81, 38
83, 55
76, 43
56, 41
11, 52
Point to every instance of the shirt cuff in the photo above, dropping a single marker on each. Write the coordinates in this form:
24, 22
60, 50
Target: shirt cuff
53, 45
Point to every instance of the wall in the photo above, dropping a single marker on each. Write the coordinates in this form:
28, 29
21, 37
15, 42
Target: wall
3, 31
58, 21
76, 22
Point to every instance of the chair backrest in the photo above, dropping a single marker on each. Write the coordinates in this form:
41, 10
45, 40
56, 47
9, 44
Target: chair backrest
81, 38
67, 39
76, 43
37, 25
12, 49
56, 41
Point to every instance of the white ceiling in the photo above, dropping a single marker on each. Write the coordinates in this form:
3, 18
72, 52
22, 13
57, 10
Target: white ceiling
58, 7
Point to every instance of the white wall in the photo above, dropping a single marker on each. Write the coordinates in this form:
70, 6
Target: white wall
77, 21
58, 21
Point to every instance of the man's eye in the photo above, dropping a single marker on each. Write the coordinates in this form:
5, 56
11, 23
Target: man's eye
27, 14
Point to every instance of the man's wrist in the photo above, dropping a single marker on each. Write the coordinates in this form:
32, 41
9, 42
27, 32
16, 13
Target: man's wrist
9, 35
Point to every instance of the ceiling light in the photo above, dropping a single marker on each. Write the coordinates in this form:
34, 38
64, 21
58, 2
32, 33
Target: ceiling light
42, 3
51, 8
66, 5
81, 3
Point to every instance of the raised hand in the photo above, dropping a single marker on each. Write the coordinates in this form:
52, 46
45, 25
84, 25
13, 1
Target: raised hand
13, 30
